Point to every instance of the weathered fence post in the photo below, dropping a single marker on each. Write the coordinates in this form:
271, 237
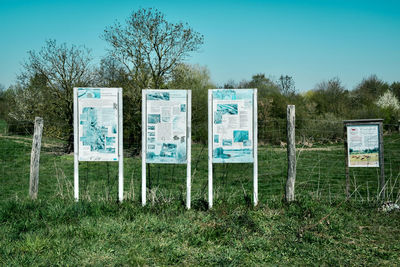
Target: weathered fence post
291, 153
35, 157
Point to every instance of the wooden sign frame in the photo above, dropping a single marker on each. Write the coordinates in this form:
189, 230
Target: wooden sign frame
361, 123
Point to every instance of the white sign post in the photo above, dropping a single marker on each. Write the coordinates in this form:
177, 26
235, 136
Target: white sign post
98, 130
232, 132
166, 132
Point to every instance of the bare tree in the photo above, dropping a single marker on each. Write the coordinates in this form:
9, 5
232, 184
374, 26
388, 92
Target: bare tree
61, 68
150, 47
286, 85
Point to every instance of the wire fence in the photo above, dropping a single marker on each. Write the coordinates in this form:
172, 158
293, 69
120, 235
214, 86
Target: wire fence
320, 156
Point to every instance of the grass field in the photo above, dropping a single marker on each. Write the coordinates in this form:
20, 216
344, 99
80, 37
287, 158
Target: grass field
318, 228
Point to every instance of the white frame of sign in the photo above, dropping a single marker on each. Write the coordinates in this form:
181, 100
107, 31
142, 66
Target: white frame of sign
120, 157
211, 140
188, 142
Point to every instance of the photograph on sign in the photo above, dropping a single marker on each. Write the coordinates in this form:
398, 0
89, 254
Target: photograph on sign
232, 125
166, 127
98, 124
363, 145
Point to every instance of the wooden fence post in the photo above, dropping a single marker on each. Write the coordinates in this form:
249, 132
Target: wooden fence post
291, 153
35, 157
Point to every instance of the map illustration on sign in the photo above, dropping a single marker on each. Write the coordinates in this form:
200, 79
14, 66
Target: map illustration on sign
98, 124
363, 145
232, 128
166, 126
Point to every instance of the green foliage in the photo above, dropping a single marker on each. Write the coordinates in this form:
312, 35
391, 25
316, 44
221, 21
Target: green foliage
264, 85
390, 117
395, 89
368, 91
325, 128
3, 102
3, 127
389, 109
319, 111
331, 97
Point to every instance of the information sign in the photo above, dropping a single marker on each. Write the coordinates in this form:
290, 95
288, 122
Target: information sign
232, 125
98, 130
98, 124
363, 145
166, 126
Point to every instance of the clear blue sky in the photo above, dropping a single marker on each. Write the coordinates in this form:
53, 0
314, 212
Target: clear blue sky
309, 40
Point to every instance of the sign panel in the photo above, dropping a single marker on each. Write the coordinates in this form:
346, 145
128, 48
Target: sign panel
98, 124
363, 145
232, 125
166, 126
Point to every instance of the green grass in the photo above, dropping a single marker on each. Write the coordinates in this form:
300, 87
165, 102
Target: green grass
3, 127
318, 228
48, 232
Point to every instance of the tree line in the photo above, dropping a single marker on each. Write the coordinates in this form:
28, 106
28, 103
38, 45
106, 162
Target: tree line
147, 51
